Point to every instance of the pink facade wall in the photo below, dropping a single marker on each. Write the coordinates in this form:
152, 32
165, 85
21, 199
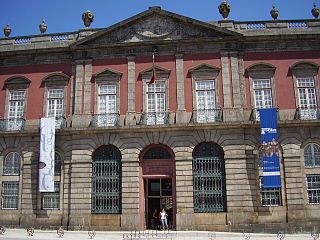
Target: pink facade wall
35, 98
284, 85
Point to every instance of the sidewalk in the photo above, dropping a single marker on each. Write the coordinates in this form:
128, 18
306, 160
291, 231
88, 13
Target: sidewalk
19, 234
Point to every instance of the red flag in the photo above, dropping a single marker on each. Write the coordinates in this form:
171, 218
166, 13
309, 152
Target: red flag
153, 77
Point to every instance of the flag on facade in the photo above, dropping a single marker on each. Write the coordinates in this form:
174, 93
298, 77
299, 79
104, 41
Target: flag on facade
153, 76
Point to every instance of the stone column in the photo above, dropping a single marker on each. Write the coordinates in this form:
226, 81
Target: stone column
131, 114
87, 87
294, 182
226, 79
184, 191
79, 68
80, 187
131, 218
181, 116
241, 185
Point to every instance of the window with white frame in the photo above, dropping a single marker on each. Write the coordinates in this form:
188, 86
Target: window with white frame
55, 103
205, 100
107, 105
10, 195
156, 103
312, 155
16, 110
262, 93
269, 196
307, 97
51, 200
11, 164
313, 189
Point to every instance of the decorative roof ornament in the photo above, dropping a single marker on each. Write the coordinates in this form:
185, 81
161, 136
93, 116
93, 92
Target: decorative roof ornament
7, 30
274, 12
315, 11
43, 27
224, 9
87, 18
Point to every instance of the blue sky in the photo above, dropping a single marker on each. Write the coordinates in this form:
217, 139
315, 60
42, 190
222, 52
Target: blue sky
24, 16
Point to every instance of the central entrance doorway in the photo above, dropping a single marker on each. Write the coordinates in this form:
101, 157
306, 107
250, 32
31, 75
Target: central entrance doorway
158, 187
158, 197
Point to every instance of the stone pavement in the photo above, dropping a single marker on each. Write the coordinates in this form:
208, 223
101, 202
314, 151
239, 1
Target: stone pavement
20, 234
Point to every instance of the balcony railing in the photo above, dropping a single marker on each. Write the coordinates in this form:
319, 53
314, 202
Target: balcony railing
60, 122
207, 116
154, 118
307, 113
105, 120
12, 124
255, 115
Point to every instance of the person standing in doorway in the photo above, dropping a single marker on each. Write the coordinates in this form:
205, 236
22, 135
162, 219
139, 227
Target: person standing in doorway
163, 217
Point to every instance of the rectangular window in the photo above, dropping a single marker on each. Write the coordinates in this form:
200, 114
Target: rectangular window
55, 103
10, 195
206, 101
51, 200
156, 103
107, 105
307, 98
313, 188
16, 110
270, 196
262, 94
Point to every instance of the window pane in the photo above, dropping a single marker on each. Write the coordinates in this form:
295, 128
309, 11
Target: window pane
107, 89
10, 195
51, 200
12, 164
17, 95
305, 82
313, 188
261, 83
55, 93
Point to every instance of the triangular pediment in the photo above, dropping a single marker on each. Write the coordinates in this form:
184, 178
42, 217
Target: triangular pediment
155, 24
204, 67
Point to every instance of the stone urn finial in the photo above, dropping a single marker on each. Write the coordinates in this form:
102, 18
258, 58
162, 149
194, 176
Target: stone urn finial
87, 18
274, 12
7, 30
43, 26
224, 9
315, 11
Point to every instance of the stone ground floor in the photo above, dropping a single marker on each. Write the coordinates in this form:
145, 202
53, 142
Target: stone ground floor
207, 178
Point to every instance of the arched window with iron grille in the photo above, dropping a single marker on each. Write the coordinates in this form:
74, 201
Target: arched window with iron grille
106, 180
209, 178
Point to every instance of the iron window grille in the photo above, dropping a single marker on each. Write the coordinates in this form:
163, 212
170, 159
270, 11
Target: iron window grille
313, 189
51, 200
209, 179
312, 155
270, 196
106, 181
10, 195
12, 164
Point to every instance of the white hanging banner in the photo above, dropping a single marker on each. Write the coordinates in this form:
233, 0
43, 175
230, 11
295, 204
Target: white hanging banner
46, 160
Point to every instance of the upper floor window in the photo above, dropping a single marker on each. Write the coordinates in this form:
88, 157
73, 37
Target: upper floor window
155, 108
206, 106
306, 86
312, 155
261, 83
55, 104
11, 164
107, 98
16, 101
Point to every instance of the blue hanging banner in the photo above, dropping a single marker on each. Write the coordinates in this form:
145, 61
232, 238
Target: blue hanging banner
270, 148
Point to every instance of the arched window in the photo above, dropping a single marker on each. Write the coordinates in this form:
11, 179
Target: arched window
12, 164
312, 155
106, 180
209, 178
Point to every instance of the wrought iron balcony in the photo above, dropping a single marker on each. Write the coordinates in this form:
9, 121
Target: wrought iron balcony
12, 124
105, 120
60, 122
255, 115
154, 118
307, 113
207, 116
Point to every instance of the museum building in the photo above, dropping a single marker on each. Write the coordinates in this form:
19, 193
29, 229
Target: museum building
162, 111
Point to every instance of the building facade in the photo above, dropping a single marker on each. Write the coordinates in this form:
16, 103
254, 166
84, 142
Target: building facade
162, 111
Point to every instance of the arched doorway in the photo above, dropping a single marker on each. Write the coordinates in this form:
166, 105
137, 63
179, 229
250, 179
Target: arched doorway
158, 185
